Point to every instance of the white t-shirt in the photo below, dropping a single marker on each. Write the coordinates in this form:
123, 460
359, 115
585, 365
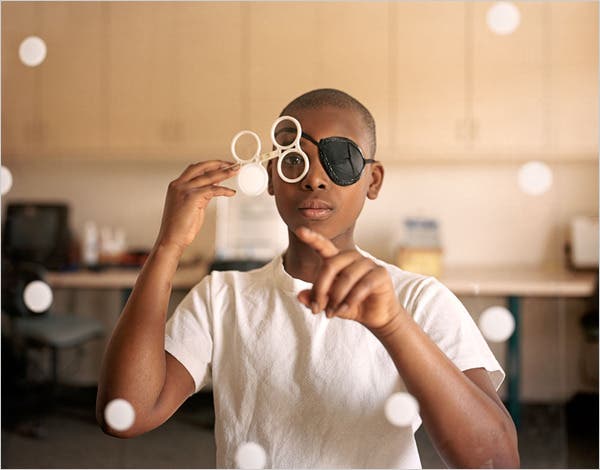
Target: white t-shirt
310, 390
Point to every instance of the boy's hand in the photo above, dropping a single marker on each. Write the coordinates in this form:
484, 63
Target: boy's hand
349, 285
187, 198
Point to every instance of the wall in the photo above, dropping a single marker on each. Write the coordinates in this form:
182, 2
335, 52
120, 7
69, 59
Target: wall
485, 221
485, 218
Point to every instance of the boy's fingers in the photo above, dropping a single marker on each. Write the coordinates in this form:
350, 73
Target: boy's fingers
326, 277
223, 191
364, 288
208, 192
211, 177
346, 280
197, 169
318, 242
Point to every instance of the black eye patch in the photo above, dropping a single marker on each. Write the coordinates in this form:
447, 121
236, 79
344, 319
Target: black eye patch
341, 158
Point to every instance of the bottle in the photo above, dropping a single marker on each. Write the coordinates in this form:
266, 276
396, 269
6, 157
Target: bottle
91, 245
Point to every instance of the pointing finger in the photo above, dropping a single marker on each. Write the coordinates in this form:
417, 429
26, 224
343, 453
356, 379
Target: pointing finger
318, 242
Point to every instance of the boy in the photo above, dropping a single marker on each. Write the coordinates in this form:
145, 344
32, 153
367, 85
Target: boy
304, 352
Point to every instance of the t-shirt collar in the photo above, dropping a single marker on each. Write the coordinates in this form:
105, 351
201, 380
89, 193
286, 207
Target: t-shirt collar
286, 282
290, 284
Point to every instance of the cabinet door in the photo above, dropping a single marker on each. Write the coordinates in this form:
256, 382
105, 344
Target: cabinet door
21, 132
279, 49
355, 60
574, 85
428, 80
53, 110
71, 80
210, 77
143, 80
508, 97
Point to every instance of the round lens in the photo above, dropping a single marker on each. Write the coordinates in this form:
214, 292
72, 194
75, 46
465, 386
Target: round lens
245, 145
253, 179
285, 133
292, 166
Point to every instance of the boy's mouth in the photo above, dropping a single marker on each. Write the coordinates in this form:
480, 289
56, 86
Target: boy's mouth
315, 209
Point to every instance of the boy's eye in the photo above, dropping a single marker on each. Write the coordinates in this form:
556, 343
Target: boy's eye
292, 165
293, 159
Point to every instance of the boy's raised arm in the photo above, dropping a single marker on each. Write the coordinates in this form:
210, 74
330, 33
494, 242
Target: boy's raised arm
461, 411
136, 366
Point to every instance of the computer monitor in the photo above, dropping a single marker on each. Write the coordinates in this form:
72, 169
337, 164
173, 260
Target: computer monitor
37, 232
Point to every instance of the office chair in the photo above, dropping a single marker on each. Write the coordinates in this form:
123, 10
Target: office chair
37, 330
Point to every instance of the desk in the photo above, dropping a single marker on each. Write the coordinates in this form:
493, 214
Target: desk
122, 279
519, 281
513, 283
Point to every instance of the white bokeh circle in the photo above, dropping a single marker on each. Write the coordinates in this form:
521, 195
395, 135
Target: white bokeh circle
6, 180
252, 179
32, 51
401, 409
119, 414
535, 178
503, 17
497, 324
37, 296
250, 455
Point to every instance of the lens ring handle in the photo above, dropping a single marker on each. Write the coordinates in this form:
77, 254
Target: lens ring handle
296, 143
306, 164
234, 141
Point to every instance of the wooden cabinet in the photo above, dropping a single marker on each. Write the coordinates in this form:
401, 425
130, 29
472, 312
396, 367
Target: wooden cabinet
122, 81
353, 55
429, 73
508, 96
573, 79
210, 78
175, 81
463, 92
279, 50
72, 80
54, 109
142, 76
292, 48
21, 133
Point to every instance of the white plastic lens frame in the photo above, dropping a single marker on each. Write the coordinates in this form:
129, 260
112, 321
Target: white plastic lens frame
280, 152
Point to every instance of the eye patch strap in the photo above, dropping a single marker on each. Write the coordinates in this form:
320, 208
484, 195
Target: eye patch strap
310, 139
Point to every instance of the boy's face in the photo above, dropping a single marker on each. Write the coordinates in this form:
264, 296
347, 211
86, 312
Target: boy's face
315, 201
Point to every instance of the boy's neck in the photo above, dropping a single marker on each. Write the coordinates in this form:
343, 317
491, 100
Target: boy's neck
302, 262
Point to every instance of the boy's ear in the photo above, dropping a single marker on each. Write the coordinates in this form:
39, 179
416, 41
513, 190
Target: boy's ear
270, 184
377, 173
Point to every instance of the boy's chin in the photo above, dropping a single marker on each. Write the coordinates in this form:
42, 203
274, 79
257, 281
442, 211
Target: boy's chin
318, 226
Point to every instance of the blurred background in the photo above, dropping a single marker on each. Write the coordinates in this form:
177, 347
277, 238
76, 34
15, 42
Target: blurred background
487, 125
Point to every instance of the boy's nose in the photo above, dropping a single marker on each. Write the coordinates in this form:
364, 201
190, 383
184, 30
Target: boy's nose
316, 178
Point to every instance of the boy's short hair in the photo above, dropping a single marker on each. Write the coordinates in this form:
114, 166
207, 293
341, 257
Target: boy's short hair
322, 97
